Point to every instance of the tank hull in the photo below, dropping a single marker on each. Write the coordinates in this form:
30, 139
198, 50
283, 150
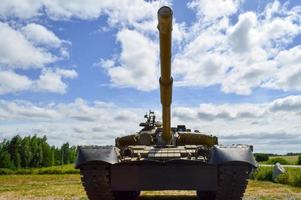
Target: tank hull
103, 181
163, 176
103, 168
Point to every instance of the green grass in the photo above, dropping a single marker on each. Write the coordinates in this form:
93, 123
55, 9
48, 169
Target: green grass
64, 169
291, 177
64, 187
291, 160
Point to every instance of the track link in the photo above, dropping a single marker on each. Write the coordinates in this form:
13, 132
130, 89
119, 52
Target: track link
233, 180
96, 181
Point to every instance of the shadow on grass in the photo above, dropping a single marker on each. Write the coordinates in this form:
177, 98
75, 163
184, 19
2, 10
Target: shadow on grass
168, 197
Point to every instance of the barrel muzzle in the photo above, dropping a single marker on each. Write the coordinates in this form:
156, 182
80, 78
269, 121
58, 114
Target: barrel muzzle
165, 19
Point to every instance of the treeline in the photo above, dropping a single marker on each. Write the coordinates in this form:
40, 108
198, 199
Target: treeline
34, 151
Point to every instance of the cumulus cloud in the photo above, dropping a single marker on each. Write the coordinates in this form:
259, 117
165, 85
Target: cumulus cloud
81, 122
239, 34
52, 80
215, 8
137, 64
288, 75
264, 125
32, 47
129, 10
21, 9
288, 104
253, 52
41, 35
237, 55
12, 82
16, 51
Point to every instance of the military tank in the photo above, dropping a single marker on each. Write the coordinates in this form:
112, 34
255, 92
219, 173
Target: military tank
161, 157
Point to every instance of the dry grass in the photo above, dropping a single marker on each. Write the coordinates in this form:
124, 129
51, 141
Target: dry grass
61, 187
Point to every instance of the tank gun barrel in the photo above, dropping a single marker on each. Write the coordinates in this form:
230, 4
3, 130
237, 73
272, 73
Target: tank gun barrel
165, 28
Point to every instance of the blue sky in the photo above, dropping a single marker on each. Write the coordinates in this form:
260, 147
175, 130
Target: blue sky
236, 67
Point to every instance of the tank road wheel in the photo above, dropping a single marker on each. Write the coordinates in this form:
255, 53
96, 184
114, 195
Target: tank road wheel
233, 180
96, 181
206, 195
126, 195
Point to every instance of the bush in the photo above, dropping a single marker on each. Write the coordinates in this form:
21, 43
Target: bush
277, 160
299, 160
282, 178
297, 181
4, 171
261, 157
23, 171
263, 174
57, 171
292, 176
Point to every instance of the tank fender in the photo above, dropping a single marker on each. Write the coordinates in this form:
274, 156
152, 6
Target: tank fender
106, 154
232, 153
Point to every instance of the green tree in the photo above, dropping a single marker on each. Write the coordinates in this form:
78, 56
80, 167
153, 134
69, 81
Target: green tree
260, 157
47, 154
37, 152
65, 153
25, 152
72, 154
5, 160
34, 152
14, 148
57, 156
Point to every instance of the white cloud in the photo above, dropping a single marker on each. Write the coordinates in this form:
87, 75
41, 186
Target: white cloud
17, 52
137, 64
41, 35
242, 56
213, 51
31, 46
24, 9
262, 125
11, 82
214, 8
80, 122
52, 80
239, 35
288, 104
288, 75
130, 11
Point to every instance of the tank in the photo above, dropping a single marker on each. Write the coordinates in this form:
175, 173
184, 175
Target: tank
161, 157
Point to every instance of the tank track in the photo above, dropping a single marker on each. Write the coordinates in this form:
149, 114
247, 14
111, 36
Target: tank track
233, 181
96, 181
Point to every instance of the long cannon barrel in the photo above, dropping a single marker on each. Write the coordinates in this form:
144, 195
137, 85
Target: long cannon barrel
165, 28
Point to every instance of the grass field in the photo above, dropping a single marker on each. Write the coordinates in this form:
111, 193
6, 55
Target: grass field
59, 187
291, 160
64, 169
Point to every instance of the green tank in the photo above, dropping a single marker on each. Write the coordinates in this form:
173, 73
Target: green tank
161, 157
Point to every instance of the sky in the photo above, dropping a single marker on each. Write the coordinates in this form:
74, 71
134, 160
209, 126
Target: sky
87, 71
